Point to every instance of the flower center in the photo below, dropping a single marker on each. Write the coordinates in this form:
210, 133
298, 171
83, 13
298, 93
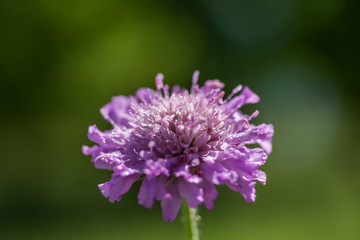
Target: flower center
181, 125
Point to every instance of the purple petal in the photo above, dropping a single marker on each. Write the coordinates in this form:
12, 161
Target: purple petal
99, 162
243, 136
245, 162
245, 97
243, 158
247, 189
147, 192
210, 194
111, 138
235, 103
107, 160
265, 137
161, 182
117, 111
171, 203
94, 151
192, 192
117, 186
216, 173
260, 176
250, 96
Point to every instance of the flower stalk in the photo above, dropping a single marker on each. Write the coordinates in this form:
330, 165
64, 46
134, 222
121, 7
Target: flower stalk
190, 220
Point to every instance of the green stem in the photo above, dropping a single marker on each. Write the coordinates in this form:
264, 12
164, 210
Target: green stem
191, 218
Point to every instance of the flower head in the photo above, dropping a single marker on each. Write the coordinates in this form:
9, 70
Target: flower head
183, 143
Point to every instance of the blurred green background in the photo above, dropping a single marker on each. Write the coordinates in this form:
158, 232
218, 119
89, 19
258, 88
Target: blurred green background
60, 61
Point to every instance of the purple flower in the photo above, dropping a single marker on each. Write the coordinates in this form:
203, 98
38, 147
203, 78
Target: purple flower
182, 143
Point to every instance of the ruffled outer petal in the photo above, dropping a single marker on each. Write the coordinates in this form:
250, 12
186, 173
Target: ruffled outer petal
217, 173
249, 96
117, 186
264, 138
237, 167
95, 151
108, 160
171, 203
261, 134
245, 162
210, 194
243, 136
247, 189
117, 111
112, 139
214, 171
245, 97
147, 192
121, 181
152, 187
193, 193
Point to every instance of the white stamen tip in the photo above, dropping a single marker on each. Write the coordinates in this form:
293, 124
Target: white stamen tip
254, 115
151, 144
159, 81
195, 77
237, 89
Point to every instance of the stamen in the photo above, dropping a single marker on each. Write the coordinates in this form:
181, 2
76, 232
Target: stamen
254, 115
214, 83
159, 81
166, 90
195, 78
234, 91
218, 97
